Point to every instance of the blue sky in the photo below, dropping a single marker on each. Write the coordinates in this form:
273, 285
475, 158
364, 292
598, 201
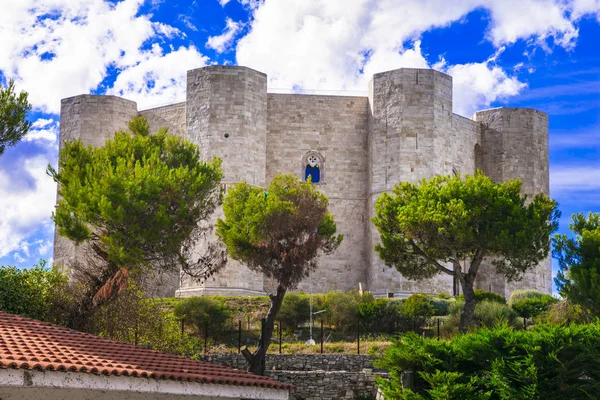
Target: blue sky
531, 53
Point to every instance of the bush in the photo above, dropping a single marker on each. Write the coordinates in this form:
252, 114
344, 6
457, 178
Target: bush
483, 295
518, 295
135, 319
295, 310
441, 306
199, 311
533, 306
565, 313
548, 362
487, 313
342, 309
39, 293
418, 310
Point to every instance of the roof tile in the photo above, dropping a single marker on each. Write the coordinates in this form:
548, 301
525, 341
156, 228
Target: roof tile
29, 344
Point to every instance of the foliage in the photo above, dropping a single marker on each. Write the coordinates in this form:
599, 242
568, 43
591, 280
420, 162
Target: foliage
547, 362
136, 319
137, 204
39, 292
441, 305
278, 233
449, 219
523, 294
13, 111
200, 311
295, 310
564, 313
578, 257
484, 295
418, 310
487, 313
533, 306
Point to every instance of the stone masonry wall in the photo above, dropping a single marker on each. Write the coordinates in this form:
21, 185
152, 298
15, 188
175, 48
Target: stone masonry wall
334, 127
226, 116
514, 144
172, 116
301, 362
412, 135
316, 376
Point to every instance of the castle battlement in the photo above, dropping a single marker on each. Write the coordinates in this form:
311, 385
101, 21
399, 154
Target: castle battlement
359, 147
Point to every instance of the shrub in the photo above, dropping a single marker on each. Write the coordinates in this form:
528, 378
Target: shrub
565, 313
199, 311
483, 295
441, 306
533, 306
39, 293
418, 310
342, 309
487, 313
548, 362
295, 310
518, 295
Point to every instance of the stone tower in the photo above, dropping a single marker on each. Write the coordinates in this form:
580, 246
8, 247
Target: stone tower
404, 130
514, 144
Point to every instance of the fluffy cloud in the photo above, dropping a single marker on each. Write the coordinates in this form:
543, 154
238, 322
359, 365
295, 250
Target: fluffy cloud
27, 197
158, 78
61, 48
339, 44
222, 42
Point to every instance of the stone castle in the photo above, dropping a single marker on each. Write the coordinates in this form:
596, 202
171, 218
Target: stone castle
356, 147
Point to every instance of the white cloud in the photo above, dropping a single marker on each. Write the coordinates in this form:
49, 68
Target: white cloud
45, 130
575, 178
222, 42
339, 44
61, 48
27, 197
223, 2
158, 78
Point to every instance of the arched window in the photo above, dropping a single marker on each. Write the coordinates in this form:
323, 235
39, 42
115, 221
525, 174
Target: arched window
313, 167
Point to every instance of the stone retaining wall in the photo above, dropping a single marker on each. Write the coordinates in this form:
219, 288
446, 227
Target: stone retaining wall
301, 362
330, 385
317, 376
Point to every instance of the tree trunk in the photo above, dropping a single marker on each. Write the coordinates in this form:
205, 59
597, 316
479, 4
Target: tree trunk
469, 310
256, 361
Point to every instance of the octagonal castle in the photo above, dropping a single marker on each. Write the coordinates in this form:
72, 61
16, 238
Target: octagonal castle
362, 146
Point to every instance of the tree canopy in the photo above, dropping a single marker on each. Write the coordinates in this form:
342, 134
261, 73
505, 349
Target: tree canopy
137, 203
431, 227
277, 232
13, 111
578, 257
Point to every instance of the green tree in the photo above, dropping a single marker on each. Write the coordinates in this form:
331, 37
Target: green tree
431, 227
279, 233
38, 292
578, 257
136, 203
13, 110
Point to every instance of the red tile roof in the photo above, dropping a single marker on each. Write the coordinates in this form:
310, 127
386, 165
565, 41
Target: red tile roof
29, 344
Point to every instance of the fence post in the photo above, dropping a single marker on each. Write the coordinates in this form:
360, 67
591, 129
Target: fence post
182, 328
358, 336
239, 336
438, 329
280, 336
205, 338
525, 323
321, 336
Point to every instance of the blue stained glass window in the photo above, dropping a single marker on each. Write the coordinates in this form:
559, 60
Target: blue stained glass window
313, 172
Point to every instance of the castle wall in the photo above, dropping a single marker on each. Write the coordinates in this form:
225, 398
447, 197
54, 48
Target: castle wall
514, 144
172, 116
413, 135
227, 117
335, 127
